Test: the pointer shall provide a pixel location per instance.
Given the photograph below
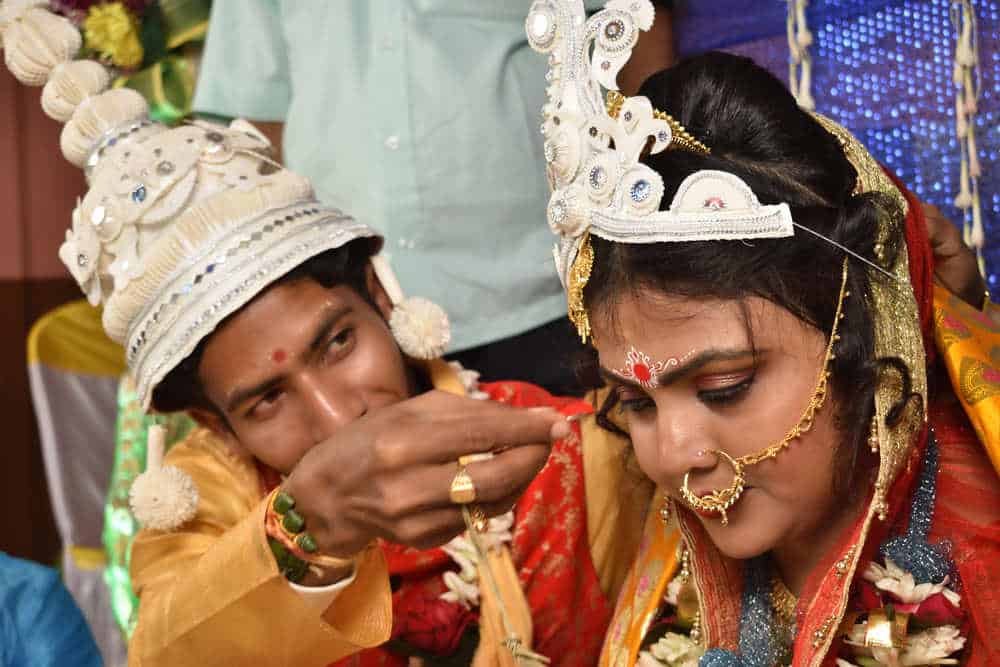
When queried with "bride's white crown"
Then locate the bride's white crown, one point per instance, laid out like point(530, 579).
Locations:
point(593, 149)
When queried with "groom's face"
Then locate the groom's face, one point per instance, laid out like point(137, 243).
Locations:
point(298, 363)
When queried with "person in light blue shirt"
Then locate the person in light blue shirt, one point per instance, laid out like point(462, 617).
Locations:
point(421, 118)
point(40, 624)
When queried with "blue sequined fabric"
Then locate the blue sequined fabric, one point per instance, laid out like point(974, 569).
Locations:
point(883, 69)
point(928, 563)
point(760, 640)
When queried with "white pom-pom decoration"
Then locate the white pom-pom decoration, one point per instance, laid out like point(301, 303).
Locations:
point(14, 10)
point(72, 83)
point(95, 116)
point(420, 327)
point(36, 42)
point(163, 497)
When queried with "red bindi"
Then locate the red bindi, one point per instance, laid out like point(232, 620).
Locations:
point(642, 372)
point(279, 356)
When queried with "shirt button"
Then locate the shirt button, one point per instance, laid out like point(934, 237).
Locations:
point(388, 43)
point(392, 142)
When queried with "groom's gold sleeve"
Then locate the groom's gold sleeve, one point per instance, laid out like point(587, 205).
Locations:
point(211, 593)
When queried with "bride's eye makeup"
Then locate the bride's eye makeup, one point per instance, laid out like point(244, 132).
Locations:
point(728, 390)
point(632, 400)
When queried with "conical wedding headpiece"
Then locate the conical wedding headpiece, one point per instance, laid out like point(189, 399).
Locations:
point(181, 227)
point(593, 148)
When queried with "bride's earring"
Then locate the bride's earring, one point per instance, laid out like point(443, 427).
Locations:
point(665, 510)
point(873, 436)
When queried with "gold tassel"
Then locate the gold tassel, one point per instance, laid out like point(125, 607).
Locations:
point(579, 276)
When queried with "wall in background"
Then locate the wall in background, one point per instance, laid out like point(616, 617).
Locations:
point(38, 189)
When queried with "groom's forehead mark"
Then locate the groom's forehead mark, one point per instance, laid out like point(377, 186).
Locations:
point(279, 356)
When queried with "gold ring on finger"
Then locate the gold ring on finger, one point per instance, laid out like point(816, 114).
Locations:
point(462, 491)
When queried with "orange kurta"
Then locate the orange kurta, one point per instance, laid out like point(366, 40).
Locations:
point(211, 593)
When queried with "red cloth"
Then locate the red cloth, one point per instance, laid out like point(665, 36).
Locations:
point(550, 551)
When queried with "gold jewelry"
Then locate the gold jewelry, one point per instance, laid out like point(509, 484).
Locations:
point(469, 459)
point(463, 490)
point(717, 502)
point(685, 570)
point(695, 633)
point(665, 510)
point(579, 276)
point(783, 601)
point(873, 435)
point(480, 522)
point(886, 629)
point(680, 137)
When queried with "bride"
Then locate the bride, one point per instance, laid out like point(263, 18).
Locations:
point(758, 296)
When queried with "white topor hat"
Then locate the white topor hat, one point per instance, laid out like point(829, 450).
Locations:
point(180, 227)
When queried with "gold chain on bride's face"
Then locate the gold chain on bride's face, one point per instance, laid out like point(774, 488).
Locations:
point(719, 501)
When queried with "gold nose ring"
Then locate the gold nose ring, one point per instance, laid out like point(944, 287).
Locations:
point(718, 501)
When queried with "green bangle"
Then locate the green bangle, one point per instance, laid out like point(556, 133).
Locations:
point(291, 567)
point(307, 543)
point(293, 522)
point(283, 502)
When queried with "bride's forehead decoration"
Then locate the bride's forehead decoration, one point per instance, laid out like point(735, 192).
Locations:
point(593, 146)
point(640, 367)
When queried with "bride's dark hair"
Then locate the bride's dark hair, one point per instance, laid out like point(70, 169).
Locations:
point(756, 131)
